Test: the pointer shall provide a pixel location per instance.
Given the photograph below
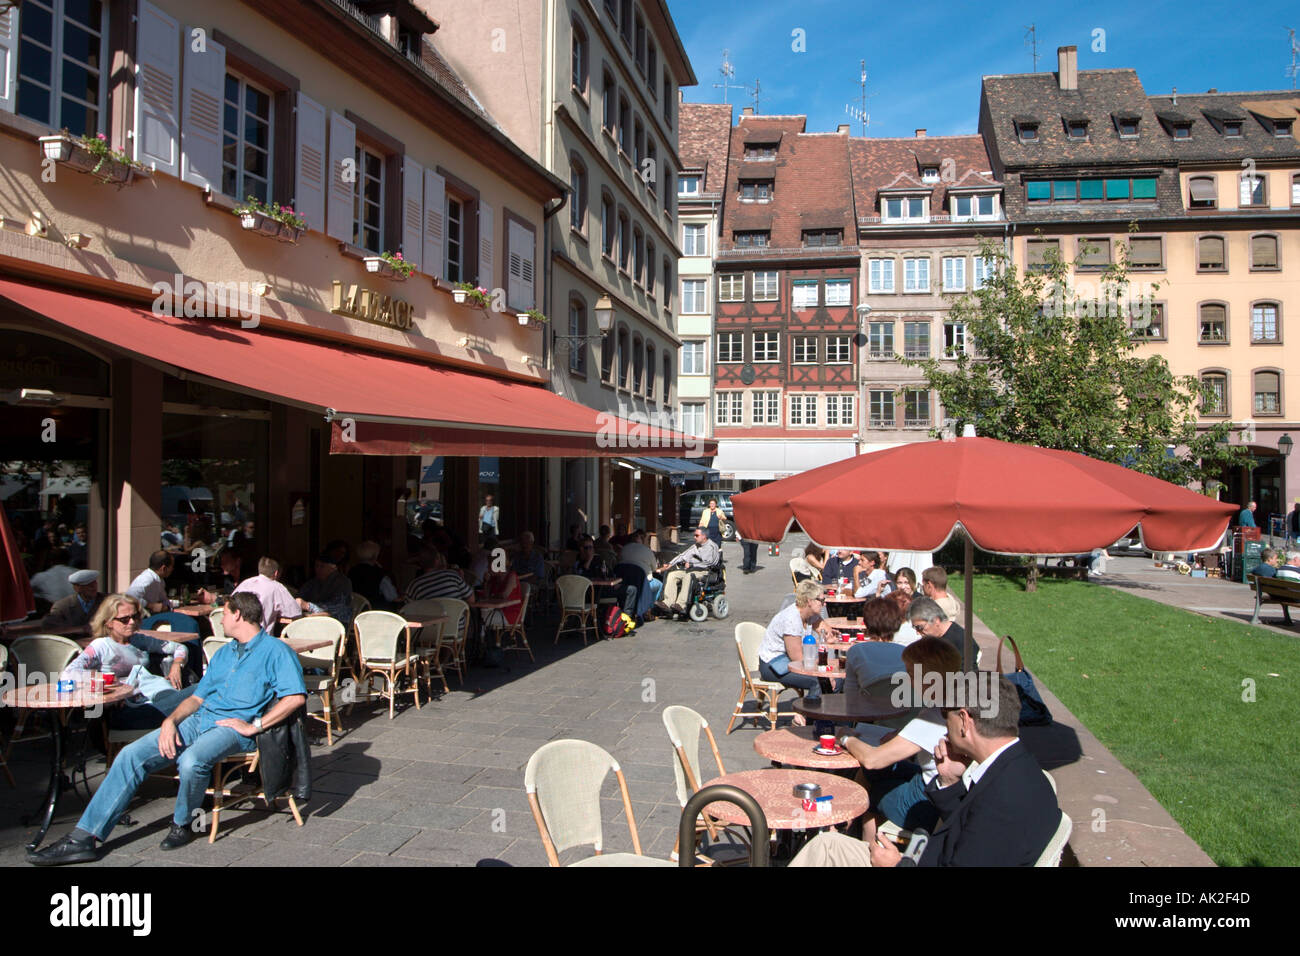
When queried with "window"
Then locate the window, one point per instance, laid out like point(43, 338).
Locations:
point(838, 292)
point(760, 151)
point(695, 239)
point(1213, 323)
point(916, 408)
point(954, 339)
point(638, 143)
point(688, 186)
point(1027, 132)
point(839, 411)
point(1147, 320)
point(578, 201)
point(1094, 253)
point(652, 68)
point(753, 239)
point(1137, 189)
point(767, 347)
point(695, 418)
point(639, 44)
point(731, 347)
point(954, 274)
point(880, 275)
point(731, 409)
point(638, 363)
point(650, 168)
point(1253, 191)
point(1282, 127)
point(245, 139)
point(1076, 129)
point(624, 126)
point(805, 350)
point(983, 272)
point(579, 50)
point(929, 174)
point(838, 351)
point(668, 283)
point(62, 54)
point(1127, 127)
point(651, 370)
point(649, 268)
point(1263, 323)
point(1295, 190)
point(1040, 253)
point(1146, 253)
point(916, 275)
point(638, 256)
point(1268, 393)
point(1263, 252)
point(731, 287)
point(905, 209)
point(695, 296)
point(368, 201)
point(624, 241)
point(916, 339)
point(693, 362)
point(882, 408)
point(456, 239)
point(607, 358)
point(766, 287)
point(624, 367)
point(974, 207)
point(1182, 130)
point(765, 408)
point(803, 409)
point(880, 340)
point(803, 294)
point(577, 327)
point(1202, 193)
point(1214, 400)
point(668, 100)
point(1232, 128)
point(756, 190)
point(609, 103)
point(625, 20)
point(1211, 254)
point(607, 225)
point(822, 238)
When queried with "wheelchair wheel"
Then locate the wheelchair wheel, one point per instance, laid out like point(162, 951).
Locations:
point(699, 612)
point(720, 607)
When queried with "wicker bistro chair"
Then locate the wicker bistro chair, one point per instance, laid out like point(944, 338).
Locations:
point(225, 774)
point(382, 645)
point(684, 726)
point(4, 765)
point(455, 633)
point(324, 659)
point(563, 781)
point(44, 654)
point(429, 640)
point(749, 637)
point(215, 617)
point(210, 647)
point(577, 600)
point(516, 632)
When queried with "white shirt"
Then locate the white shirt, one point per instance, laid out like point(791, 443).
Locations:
point(906, 634)
point(925, 731)
point(871, 582)
point(787, 621)
point(977, 770)
point(148, 588)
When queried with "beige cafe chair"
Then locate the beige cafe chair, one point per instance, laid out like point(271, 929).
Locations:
point(427, 642)
point(381, 645)
point(45, 654)
point(225, 774)
point(516, 632)
point(684, 727)
point(563, 781)
point(215, 617)
point(577, 600)
point(210, 647)
point(749, 636)
point(324, 659)
point(454, 633)
point(4, 663)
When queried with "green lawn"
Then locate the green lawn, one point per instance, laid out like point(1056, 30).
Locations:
point(1162, 689)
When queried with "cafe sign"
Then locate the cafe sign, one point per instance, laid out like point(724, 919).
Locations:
point(370, 306)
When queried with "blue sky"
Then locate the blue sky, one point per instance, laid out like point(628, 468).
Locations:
point(925, 68)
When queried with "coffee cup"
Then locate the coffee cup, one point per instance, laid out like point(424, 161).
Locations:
point(827, 741)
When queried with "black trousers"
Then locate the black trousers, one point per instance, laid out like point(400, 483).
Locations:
point(750, 549)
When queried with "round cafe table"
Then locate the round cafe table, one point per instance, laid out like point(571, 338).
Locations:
point(829, 672)
point(840, 709)
point(774, 791)
point(793, 747)
point(47, 697)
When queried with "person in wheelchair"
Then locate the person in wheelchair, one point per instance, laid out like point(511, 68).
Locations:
point(708, 593)
point(695, 563)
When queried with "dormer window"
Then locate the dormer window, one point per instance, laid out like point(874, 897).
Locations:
point(1232, 128)
point(760, 151)
point(1127, 126)
point(1027, 132)
point(904, 209)
point(1076, 129)
point(756, 190)
point(974, 207)
point(822, 238)
point(688, 186)
point(1282, 127)
point(1182, 130)
point(929, 174)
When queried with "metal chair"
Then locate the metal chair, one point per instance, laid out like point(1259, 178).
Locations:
point(378, 635)
point(749, 637)
point(577, 599)
point(324, 658)
point(45, 654)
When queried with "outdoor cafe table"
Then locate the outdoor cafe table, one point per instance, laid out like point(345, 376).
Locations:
point(774, 791)
point(477, 606)
point(47, 697)
point(793, 747)
point(12, 632)
point(828, 671)
point(195, 610)
point(840, 709)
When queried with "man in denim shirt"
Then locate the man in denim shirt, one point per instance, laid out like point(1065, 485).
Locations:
point(227, 710)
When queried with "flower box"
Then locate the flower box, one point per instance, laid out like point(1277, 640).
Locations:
point(289, 234)
point(460, 295)
point(382, 267)
point(524, 319)
point(66, 150)
point(260, 224)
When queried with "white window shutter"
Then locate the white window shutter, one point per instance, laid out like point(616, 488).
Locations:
point(435, 221)
point(8, 59)
point(413, 213)
point(204, 81)
point(157, 90)
point(519, 290)
point(343, 184)
point(309, 188)
point(486, 237)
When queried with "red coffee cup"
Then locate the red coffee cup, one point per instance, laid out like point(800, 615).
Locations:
point(828, 741)
point(109, 677)
point(810, 806)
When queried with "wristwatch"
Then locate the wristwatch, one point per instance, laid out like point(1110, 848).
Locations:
point(257, 723)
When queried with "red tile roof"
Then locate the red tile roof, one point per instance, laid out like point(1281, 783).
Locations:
point(883, 163)
point(703, 138)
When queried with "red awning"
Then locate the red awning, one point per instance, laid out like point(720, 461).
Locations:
point(381, 405)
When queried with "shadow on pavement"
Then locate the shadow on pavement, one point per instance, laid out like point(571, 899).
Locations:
point(1054, 745)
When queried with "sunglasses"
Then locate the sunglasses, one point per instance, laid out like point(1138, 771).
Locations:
point(128, 619)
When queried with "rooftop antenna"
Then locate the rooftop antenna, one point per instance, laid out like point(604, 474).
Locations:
point(1031, 41)
point(1295, 50)
point(754, 93)
point(728, 72)
point(1175, 96)
point(860, 113)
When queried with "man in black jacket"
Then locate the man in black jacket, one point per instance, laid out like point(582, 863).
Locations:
point(999, 811)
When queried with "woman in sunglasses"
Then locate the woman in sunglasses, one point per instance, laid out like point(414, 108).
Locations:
point(118, 648)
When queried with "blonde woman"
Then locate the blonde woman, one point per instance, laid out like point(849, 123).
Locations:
point(783, 641)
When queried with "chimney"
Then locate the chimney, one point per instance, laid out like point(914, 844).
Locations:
point(1067, 67)
point(920, 134)
point(842, 128)
point(747, 111)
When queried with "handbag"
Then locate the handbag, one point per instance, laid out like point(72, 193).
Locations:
point(1033, 711)
point(780, 665)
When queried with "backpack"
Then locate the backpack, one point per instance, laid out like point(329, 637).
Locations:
point(613, 624)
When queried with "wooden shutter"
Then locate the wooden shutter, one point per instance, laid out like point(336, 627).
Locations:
point(309, 164)
point(1099, 254)
point(519, 289)
point(157, 88)
point(343, 156)
point(486, 235)
point(204, 80)
point(1145, 253)
point(435, 222)
point(1210, 254)
point(8, 59)
point(413, 213)
point(1263, 252)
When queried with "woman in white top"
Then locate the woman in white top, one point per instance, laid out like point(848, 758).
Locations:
point(783, 641)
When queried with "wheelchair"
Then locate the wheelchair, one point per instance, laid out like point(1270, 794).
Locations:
point(709, 594)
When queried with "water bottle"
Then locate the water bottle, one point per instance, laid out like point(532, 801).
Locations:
point(809, 650)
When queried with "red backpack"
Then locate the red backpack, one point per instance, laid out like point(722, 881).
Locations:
point(613, 625)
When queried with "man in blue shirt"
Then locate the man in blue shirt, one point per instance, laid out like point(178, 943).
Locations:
point(1246, 517)
point(1270, 561)
point(227, 710)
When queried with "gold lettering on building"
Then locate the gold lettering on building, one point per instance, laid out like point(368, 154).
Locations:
point(370, 306)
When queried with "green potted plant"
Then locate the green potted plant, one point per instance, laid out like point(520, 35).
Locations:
point(271, 220)
point(92, 155)
point(468, 292)
point(390, 265)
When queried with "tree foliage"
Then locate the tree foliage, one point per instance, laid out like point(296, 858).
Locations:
point(1058, 363)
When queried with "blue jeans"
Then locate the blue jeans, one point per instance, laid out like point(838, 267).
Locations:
point(195, 758)
point(811, 686)
point(149, 715)
point(899, 793)
point(649, 595)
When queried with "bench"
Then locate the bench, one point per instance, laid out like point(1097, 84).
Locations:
point(1280, 591)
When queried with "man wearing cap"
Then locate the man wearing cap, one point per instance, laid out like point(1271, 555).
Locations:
point(77, 608)
point(329, 591)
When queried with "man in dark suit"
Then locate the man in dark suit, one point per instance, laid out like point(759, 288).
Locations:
point(999, 811)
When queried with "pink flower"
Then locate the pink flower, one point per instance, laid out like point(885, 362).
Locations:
point(101, 136)
point(288, 209)
point(397, 255)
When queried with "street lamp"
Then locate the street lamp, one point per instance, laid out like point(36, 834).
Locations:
point(604, 322)
point(1284, 445)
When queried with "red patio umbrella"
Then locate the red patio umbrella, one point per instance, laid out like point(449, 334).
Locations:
point(16, 598)
point(1010, 499)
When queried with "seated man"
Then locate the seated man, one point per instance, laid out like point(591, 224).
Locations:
point(1003, 812)
point(696, 561)
point(1270, 561)
point(1291, 570)
point(869, 579)
point(274, 597)
point(841, 564)
point(150, 585)
point(530, 560)
point(591, 564)
point(637, 553)
point(227, 710)
point(79, 607)
point(934, 585)
point(329, 591)
point(929, 620)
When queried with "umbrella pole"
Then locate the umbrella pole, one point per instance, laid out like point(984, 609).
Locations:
point(968, 653)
